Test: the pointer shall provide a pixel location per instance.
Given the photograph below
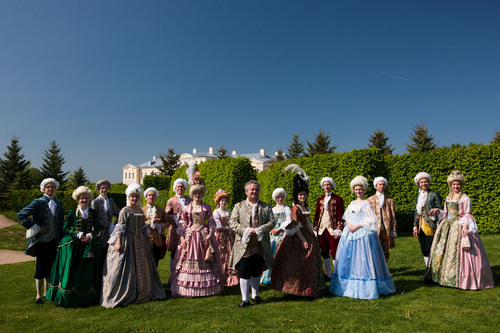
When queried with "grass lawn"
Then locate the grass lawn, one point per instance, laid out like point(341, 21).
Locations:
point(415, 308)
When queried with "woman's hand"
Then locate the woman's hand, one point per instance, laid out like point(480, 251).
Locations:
point(118, 246)
point(306, 245)
point(275, 231)
point(352, 228)
point(465, 231)
point(434, 211)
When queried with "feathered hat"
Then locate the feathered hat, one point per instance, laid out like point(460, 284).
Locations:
point(456, 176)
point(196, 182)
point(300, 181)
point(221, 194)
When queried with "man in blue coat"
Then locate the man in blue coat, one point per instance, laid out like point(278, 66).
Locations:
point(44, 219)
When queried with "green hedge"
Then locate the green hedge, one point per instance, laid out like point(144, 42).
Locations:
point(479, 164)
point(160, 182)
point(230, 174)
point(22, 198)
point(342, 167)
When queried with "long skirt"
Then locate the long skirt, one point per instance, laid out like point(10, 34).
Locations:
point(360, 268)
point(76, 275)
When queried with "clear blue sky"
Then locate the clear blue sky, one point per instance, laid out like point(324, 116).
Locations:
point(116, 82)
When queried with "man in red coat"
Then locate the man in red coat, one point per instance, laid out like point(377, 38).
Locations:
point(328, 222)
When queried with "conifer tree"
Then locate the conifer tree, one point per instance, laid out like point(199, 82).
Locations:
point(296, 148)
point(320, 145)
point(14, 172)
point(279, 156)
point(496, 138)
point(78, 178)
point(170, 162)
point(52, 164)
point(421, 140)
point(379, 140)
point(222, 153)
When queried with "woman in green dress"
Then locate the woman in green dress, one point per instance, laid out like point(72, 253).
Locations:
point(75, 279)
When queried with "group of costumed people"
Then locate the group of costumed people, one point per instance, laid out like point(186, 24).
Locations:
point(88, 259)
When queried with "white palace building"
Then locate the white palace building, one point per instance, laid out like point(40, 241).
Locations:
point(135, 173)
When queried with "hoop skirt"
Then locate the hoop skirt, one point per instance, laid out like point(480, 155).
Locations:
point(360, 267)
point(298, 271)
point(450, 264)
point(75, 279)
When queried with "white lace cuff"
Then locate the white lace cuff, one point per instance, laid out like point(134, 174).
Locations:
point(79, 234)
point(89, 235)
point(32, 231)
point(246, 235)
point(292, 231)
point(337, 232)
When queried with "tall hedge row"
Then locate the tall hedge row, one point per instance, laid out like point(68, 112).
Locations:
point(230, 174)
point(342, 167)
point(160, 182)
point(21, 198)
point(479, 164)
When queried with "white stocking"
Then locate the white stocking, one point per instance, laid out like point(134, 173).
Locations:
point(245, 289)
point(255, 281)
point(426, 259)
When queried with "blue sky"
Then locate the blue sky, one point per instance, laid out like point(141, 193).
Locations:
point(116, 82)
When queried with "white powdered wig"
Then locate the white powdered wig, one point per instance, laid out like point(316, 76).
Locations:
point(46, 181)
point(378, 180)
point(278, 191)
point(82, 190)
point(149, 189)
point(133, 188)
point(327, 179)
point(182, 181)
point(359, 181)
point(421, 175)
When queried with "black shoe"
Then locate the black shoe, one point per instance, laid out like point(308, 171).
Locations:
point(257, 300)
point(39, 301)
point(244, 304)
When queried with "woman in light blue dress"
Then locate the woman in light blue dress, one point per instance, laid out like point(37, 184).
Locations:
point(360, 271)
point(282, 216)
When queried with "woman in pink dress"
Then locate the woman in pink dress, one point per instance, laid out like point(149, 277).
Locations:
point(225, 235)
point(198, 272)
point(458, 258)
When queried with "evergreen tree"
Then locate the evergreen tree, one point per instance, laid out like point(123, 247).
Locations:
point(222, 153)
point(78, 178)
point(321, 144)
point(496, 138)
point(296, 148)
point(279, 156)
point(52, 164)
point(170, 162)
point(13, 166)
point(14, 171)
point(379, 140)
point(422, 141)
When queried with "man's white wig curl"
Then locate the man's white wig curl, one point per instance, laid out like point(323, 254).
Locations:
point(378, 180)
point(149, 189)
point(327, 179)
point(277, 192)
point(182, 181)
point(359, 181)
point(46, 181)
point(421, 175)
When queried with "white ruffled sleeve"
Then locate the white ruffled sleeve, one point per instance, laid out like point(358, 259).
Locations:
point(288, 220)
point(217, 218)
point(370, 220)
point(465, 209)
point(347, 213)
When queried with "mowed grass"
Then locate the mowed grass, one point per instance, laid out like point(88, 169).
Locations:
point(415, 308)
